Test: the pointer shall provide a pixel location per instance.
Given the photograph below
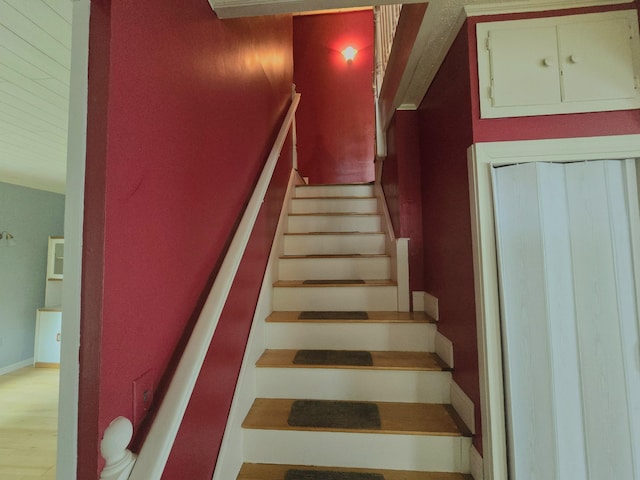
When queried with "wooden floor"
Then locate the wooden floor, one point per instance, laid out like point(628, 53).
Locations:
point(28, 424)
point(251, 471)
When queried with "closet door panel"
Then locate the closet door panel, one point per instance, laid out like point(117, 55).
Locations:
point(561, 318)
point(623, 198)
point(529, 393)
point(606, 419)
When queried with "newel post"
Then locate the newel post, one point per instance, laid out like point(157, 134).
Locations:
point(119, 460)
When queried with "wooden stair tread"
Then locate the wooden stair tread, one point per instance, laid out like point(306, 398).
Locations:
point(356, 184)
point(340, 283)
point(374, 317)
point(382, 360)
point(262, 471)
point(343, 197)
point(395, 418)
point(334, 214)
point(334, 255)
point(333, 233)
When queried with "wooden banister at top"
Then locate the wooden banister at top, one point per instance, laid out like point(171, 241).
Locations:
point(155, 451)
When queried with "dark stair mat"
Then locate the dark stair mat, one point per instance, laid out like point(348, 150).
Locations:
point(312, 315)
point(332, 282)
point(330, 475)
point(356, 358)
point(334, 414)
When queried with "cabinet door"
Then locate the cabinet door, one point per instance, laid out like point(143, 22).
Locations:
point(524, 66)
point(596, 60)
point(47, 347)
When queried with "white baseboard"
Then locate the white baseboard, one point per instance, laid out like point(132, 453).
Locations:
point(16, 366)
point(475, 464)
point(418, 301)
point(431, 306)
point(464, 406)
point(444, 349)
point(231, 453)
point(402, 275)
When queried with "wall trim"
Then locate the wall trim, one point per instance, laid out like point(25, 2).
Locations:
point(475, 464)
point(439, 29)
point(402, 275)
point(230, 457)
point(534, 6)
point(16, 366)
point(67, 444)
point(444, 348)
point(418, 301)
point(431, 306)
point(482, 158)
point(464, 406)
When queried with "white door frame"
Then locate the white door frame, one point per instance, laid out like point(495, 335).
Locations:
point(482, 157)
point(67, 454)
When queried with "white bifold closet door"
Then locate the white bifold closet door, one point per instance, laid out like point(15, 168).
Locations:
point(566, 240)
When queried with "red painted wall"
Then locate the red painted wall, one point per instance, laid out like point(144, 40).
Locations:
point(336, 120)
point(445, 126)
point(200, 435)
point(403, 193)
point(183, 111)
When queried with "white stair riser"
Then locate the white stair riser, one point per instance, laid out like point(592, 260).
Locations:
point(384, 298)
point(342, 205)
point(334, 223)
point(305, 191)
point(411, 337)
point(358, 450)
point(363, 268)
point(343, 244)
point(354, 384)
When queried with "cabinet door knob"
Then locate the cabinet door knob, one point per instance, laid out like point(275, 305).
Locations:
point(574, 58)
point(549, 62)
point(57, 337)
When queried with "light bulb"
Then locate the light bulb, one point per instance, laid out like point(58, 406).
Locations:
point(349, 53)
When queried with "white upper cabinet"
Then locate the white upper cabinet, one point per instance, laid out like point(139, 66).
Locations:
point(519, 56)
point(597, 60)
point(569, 64)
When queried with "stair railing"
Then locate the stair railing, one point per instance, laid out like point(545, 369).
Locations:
point(121, 463)
point(386, 20)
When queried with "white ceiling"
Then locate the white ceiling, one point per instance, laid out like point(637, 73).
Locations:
point(35, 58)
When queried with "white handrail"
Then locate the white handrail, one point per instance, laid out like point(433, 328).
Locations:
point(157, 446)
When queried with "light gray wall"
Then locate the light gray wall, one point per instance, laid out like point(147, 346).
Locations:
point(31, 216)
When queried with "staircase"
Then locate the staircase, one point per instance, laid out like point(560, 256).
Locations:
point(348, 388)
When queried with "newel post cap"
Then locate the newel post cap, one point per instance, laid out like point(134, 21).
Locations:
point(118, 459)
